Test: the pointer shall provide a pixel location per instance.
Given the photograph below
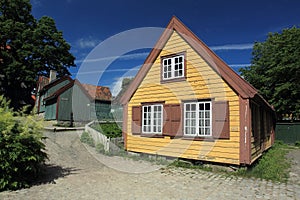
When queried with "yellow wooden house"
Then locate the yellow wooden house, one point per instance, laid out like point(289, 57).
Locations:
point(186, 102)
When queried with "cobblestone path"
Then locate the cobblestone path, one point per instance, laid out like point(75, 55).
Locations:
point(76, 172)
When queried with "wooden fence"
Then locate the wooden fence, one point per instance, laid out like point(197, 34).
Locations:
point(109, 144)
point(288, 132)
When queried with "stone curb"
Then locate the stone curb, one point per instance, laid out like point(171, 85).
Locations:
point(59, 129)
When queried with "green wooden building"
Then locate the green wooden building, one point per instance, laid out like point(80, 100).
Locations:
point(46, 89)
point(69, 98)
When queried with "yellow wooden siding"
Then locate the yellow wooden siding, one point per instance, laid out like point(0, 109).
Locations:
point(202, 83)
point(199, 150)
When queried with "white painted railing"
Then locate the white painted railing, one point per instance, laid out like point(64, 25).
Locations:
point(97, 136)
point(108, 143)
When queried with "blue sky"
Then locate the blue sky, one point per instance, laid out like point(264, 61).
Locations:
point(229, 27)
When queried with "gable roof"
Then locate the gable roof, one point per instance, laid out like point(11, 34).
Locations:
point(56, 81)
point(238, 84)
point(91, 91)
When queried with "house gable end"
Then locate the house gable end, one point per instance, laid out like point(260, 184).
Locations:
point(242, 87)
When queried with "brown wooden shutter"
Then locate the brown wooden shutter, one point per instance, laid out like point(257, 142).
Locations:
point(220, 119)
point(136, 127)
point(172, 120)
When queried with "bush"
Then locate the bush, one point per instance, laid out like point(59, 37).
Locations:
point(297, 143)
point(87, 138)
point(21, 148)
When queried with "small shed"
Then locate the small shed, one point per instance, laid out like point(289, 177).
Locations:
point(186, 102)
point(83, 101)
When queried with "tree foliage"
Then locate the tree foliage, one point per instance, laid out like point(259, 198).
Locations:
point(28, 48)
point(21, 148)
point(275, 71)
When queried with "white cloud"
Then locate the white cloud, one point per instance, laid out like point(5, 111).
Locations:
point(122, 57)
point(239, 65)
point(108, 70)
point(88, 42)
point(117, 86)
point(233, 47)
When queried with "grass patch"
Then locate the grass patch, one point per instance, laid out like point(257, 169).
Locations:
point(189, 165)
point(87, 139)
point(273, 165)
point(109, 129)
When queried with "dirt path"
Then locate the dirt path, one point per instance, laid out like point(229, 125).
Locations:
point(77, 172)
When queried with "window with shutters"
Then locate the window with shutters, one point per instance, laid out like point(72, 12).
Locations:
point(198, 119)
point(152, 121)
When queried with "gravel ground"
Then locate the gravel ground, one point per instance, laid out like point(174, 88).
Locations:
point(75, 171)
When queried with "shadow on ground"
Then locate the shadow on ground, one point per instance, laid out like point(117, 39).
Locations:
point(50, 173)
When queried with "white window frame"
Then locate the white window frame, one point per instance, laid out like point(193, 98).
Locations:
point(173, 70)
point(153, 125)
point(196, 125)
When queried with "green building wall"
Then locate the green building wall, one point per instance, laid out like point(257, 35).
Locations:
point(50, 111)
point(75, 101)
point(49, 92)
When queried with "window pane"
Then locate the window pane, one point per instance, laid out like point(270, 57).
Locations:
point(187, 130)
point(207, 106)
point(193, 107)
point(207, 114)
point(188, 107)
point(201, 106)
point(201, 114)
point(188, 123)
point(207, 122)
point(193, 122)
point(180, 59)
point(180, 73)
point(159, 108)
point(193, 130)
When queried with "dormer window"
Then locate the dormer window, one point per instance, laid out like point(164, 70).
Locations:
point(173, 67)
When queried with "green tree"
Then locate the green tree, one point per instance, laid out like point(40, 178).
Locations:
point(275, 71)
point(28, 48)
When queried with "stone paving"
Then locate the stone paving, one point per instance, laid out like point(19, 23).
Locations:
point(76, 172)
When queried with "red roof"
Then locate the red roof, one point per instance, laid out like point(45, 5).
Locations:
point(98, 92)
